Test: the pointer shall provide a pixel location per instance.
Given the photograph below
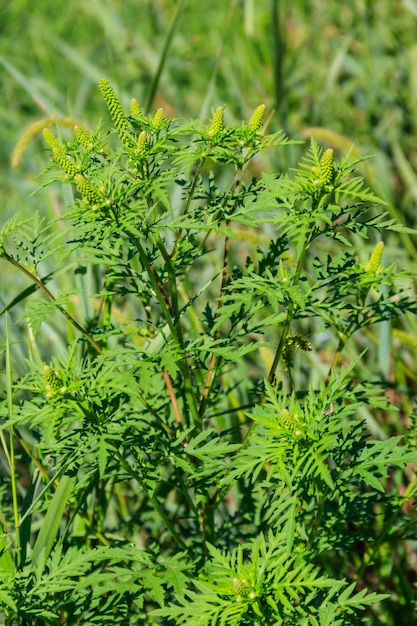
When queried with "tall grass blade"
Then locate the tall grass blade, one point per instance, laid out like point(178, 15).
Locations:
point(52, 520)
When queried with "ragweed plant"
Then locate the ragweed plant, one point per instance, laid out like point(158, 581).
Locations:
point(168, 460)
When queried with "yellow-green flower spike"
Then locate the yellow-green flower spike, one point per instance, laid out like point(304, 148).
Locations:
point(53, 382)
point(374, 266)
point(294, 341)
point(89, 192)
point(287, 419)
point(159, 119)
point(142, 147)
point(241, 586)
point(135, 108)
point(255, 122)
point(51, 140)
point(217, 122)
point(114, 105)
point(327, 167)
point(291, 422)
point(299, 341)
point(62, 160)
point(82, 137)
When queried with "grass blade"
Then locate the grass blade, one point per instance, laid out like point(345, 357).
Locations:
point(50, 525)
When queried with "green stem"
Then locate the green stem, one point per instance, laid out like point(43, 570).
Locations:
point(152, 499)
point(344, 338)
point(170, 308)
point(173, 312)
point(158, 291)
point(188, 203)
point(171, 276)
point(51, 297)
point(210, 378)
point(336, 357)
point(11, 455)
point(290, 310)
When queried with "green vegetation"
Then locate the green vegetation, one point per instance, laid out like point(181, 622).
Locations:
point(208, 326)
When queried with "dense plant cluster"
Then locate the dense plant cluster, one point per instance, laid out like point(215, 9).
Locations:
point(188, 457)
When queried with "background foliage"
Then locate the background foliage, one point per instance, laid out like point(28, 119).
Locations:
point(345, 74)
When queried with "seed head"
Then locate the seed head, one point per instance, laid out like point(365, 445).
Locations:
point(89, 192)
point(327, 167)
point(217, 122)
point(114, 105)
point(82, 137)
point(135, 108)
point(255, 122)
point(375, 266)
point(159, 119)
point(62, 160)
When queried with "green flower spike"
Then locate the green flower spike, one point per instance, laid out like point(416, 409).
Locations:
point(255, 122)
point(51, 140)
point(327, 167)
point(90, 194)
point(114, 106)
point(142, 148)
point(135, 108)
point(291, 422)
point(287, 420)
point(82, 137)
point(67, 165)
point(54, 383)
point(159, 119)
point(242, 588)
point(294, 341)
point(217, 122)
point(375, 266)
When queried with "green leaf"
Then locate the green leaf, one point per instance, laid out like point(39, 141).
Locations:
point(103, 454)
point(52, 520)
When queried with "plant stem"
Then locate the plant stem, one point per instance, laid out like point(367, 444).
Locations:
point(213, 358)
point(225, 272)
point(188, 202)
point(11, 455)
point(51, 297)
point(290, 311)
point(167, 523)
point(174, 400)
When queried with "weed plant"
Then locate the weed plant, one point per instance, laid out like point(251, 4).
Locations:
point(189, 449)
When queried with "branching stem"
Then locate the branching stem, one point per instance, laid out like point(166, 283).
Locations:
point(51, 297)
